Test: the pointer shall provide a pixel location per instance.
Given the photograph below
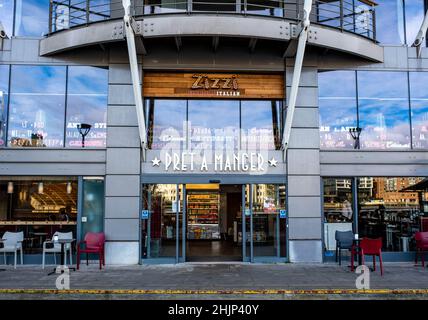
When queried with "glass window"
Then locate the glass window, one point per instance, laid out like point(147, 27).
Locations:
point(266, 8)
point(337, 108)
point(36, 110)
point(390, 210)
point(6, 16)
point(31, 18)
point(260, 123)
point(383, 110)
point(214, 124)
point(39, 208)
point(390, 22)
point(93, 206)
point(87, 103)
point(419, 107)
point(167, 123)
point(159, 6)
point(415, 13)
point(4, 94)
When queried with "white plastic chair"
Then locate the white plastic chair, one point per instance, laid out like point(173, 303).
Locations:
point(57, 247)
point(12, 243)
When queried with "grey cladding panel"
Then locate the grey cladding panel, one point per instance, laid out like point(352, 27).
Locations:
point(122, 186)
point(122, 229)
point(122, 207)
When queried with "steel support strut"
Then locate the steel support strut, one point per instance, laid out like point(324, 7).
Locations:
point(135, 74)
point(421, 36)
point(301, 46)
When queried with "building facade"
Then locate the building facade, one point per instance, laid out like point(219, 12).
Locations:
point(212, 181)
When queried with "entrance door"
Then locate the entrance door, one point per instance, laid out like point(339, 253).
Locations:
point(266, 225)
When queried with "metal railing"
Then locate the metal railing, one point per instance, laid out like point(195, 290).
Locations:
point(356, 16)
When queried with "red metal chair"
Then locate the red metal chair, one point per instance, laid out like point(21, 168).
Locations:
point(368, 247)
point(421, 246)
point(93, 243)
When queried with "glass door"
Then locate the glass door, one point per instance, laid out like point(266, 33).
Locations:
point(161, 222)
point(266, 223)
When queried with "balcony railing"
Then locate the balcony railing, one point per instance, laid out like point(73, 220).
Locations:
point(356, 16)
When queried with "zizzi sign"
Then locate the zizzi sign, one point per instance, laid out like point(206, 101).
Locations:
point(224, 85)
point(251, 162)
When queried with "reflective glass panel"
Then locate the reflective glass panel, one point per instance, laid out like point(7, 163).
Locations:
point(87, 103)
point(166, 123)
point(260, 122)
point(266, 8)
point(4, 98)
point(160, 6)
point(31, 18)
point(214, 124)
point(337, 108)
point(6, 16)
point(390, 208)
point(419, 107)
point(383, 110)
point(415, 13)
point(390, 22)
point(36, 110)
point(93, 206)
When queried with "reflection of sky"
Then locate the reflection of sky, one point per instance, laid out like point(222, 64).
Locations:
point(37, 103)
point(337, 108)
point(6, 15)
point(384, 109)
point(4, 82)
point(414, 16)
point(257, 123)
point(32, 18)
point(389, 22)
point(87, 103)
point(419, 105)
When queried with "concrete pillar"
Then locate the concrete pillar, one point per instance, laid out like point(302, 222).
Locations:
point(303, 171)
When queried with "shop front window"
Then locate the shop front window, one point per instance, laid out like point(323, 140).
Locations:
point(391, 210)
point(37, 106)
point(419, 107)
point(87, 103)
point(337, 108)
point(38, 208)
point(31, 18)
point(261, 122)
point(6, 16)
point(383, 110)
point(338, 211)
point(4, 98)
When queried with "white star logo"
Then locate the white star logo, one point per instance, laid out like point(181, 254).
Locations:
point(273, 162)
point(156, 162)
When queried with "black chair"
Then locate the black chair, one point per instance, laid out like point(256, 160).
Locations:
point(344, 240)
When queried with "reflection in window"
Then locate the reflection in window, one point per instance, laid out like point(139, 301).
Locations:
point(87, 103)
point(419, 107)
point(216, 6)
point(37, 99)
point(337, 108)
point(214, 124)
point(337, 200)
point(39, 209)
point(391, 210)
point(261, 122)
point(266, 8)
point(159, 6)
point(6, 16)
point(31, 18)
point(383, 110)
point(4, 94)
point(167, 123)
point(415, 13)
point(390, 22)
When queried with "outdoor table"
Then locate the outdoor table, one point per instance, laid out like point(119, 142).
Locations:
point(63, 242)
point(1, 241)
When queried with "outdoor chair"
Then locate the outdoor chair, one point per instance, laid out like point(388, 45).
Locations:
point(13, 243)
point(56, 247)
point(93, 243)
point(421, 246)
point(344, 240)
point(368, 247)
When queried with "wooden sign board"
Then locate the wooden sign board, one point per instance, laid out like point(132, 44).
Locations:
point(213, 85)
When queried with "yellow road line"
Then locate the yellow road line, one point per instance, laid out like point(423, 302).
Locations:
point(221, 292)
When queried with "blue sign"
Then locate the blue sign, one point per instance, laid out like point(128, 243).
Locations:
point(283, 214)
point(144, 214)
point(247, 212)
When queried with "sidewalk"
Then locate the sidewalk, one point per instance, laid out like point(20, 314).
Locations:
point(216, 281)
